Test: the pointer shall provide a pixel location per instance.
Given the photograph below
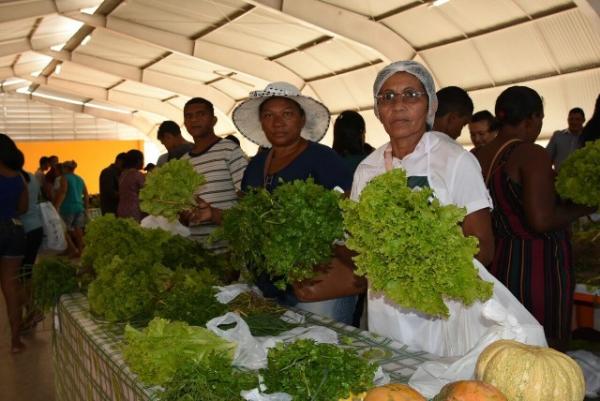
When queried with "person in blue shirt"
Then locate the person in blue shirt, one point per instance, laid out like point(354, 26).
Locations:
point(13, 202)
point(290, 125)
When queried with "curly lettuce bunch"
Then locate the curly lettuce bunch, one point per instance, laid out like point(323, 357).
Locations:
point(579, 176)
point(286, 233)
point(170, 189)
point(411, 247)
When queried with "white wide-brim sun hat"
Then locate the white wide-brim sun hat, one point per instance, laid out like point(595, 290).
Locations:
point(247, 121)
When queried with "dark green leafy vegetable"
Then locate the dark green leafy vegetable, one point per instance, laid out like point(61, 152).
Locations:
point(170, 189)
point(284, 234)
point(212, 379)
point(267, 324)
point(52, 277)
point(191, 298)
point(411, 247)
point(579, 176)
point(316, 372)
point(156, 352)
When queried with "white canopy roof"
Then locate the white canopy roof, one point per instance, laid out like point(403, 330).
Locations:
point(138, 61)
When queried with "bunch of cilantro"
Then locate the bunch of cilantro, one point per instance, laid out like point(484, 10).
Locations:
point(411, 247)
point(51, 278)
point(317, 372)
point(170, 189)
point(128, 288)
point(212, 379)
point(286, 233)
point(579, 176)
point(190, 298)
point(156, 352)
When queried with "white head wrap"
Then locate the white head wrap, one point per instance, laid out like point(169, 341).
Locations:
point(419, 71)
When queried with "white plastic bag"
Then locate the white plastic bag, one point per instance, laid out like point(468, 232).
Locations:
point(230, 292)
point(54, 231)
point(174, 227)
point(590, 364)
point(458, 340)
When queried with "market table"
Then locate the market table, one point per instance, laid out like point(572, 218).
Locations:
point(89, 365)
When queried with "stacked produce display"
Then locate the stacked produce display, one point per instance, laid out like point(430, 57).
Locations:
point(165, 288)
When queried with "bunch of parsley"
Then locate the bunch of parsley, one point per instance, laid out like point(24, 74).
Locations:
point(411, 247)
point(51, 278)
point(316, 372)
point(170, 188)
point(286, 233)
point(579, 176)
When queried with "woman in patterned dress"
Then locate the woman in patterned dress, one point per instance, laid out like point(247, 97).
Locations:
point(533, 251)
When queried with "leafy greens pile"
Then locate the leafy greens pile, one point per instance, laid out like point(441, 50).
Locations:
point(212, 379)
point(170, 189)
point(411, 247)
point(51, 278)
point(317, 372)
point(286, 233)
point(156, 352)
point(579, 176)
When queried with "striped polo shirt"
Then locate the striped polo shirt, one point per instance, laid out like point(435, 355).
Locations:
point(222, 165)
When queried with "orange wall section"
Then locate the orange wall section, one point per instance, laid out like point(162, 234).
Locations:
point(91, 156)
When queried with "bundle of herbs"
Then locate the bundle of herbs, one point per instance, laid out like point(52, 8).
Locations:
point(263, 316)
point(286, 233)
point(51, 278)
point(411, 247)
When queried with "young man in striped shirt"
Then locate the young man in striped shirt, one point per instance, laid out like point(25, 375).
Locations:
point(222, 163)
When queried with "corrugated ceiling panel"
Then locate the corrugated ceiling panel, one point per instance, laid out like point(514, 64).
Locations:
point(117, 48)
point(572, 38)
point(15, 29)
point(139, 89)
point(25, 119)
point(54, 29)
point(234, 88)
point(188, 67)
point(348, 91)
point(371, 8)
point(422, 26)
point(7, 61)
point(515, 54)
point(84, 75)
point(30, 62)
point(457, 64)
point(327, 57)
point(536, 6)
point(185, 17)
point(472, 16)
point(262, 33)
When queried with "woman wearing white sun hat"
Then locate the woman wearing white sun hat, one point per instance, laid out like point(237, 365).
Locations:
point(290, 124)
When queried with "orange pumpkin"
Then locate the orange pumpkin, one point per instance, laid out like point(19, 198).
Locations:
point(469, 390)
point(394, 392)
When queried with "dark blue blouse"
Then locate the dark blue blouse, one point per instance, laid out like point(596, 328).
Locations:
point(10, 191)
point(318, 161)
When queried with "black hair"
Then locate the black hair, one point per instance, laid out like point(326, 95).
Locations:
point(149, 167)
point(518, 103)
point(577, 110)
point(121, 157)
point(200, 100)
point(233, 138)
point(591, 131)
point(44, 160)
point(168, 127)
point(485, 115)
point(453, 99)
point(10, 155)
point(133, 159)
point(349, 133)
point(261, 106)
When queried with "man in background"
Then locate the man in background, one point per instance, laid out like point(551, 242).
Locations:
point(109, 186)
point(40, 173)
point(483, 128)
point(169, 134)
point(564, 142)
point(454, 111)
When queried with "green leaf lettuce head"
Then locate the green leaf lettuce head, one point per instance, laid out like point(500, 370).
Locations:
point(317, 372)
point(212, 379)
point(579, 176)
point(286, 233)
point(156, 352)
point(51, 278)
point(411, 247)
point(170, 188)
